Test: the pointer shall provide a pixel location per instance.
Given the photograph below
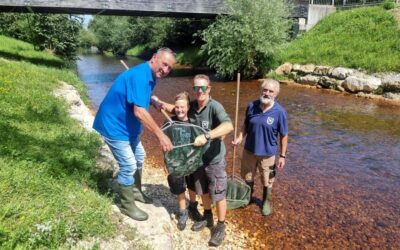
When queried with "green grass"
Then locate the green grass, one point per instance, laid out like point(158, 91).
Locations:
point(365, 38)
point(136, 51)
point(48, 184)
point(190, 56)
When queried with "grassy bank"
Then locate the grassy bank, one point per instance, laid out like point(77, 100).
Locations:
point(366, 38)
point(48, 186)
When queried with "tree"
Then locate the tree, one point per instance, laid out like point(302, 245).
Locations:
point(57, 33)
point(249, 38)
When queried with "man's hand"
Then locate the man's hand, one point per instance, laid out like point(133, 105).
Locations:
point(281, 163)
point(155, 101)
point(165, 143)
point(238, 140)
point(200, 140)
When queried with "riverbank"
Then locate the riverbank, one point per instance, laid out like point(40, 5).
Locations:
point(159, 231)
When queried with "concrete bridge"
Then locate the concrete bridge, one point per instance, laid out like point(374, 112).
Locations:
point(170, 8)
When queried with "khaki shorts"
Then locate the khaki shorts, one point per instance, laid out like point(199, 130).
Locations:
point(265, 165)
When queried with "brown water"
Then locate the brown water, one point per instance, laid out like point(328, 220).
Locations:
point(340, 187)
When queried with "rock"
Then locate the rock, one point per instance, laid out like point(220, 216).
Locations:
point(342, 73)
point(392, 96)
point(284, 69)
point(327, 82)
point(296, 67)
point(323, 70)
point(306, 69)
point(309, 80)
point(361, 83)
point(391, 83)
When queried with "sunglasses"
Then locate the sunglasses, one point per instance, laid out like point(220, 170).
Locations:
point(197, 88)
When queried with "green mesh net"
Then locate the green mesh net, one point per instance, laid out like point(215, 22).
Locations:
point(185, 158)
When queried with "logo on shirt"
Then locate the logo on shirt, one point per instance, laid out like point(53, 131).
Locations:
point(270, 120)
point(204, 124)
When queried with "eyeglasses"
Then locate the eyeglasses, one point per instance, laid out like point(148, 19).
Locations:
point(197, 88)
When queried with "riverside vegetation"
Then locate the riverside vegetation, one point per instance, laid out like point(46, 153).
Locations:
point(48, 187)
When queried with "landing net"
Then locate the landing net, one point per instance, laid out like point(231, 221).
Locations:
point(184, 158)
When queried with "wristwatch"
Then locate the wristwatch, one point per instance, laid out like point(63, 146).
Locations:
point(207, 136)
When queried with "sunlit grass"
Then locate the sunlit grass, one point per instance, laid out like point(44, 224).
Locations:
point(365, 38)
point(48, 185)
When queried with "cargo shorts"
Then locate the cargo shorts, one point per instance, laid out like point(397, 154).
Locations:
point(264, 164)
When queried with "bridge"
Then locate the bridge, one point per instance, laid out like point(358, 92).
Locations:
point(165, 8)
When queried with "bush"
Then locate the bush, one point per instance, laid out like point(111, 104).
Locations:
point(249, 39)
point(389, 4)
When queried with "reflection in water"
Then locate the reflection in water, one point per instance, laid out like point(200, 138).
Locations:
point(340, 189)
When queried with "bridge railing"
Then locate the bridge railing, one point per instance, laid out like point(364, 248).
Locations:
point(346, 3)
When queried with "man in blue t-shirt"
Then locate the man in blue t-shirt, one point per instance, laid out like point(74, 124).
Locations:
point(120, 120)
point(265, 119)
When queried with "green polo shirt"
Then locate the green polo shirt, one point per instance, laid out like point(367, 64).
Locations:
point(210, 117)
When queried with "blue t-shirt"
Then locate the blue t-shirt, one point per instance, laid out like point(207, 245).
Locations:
point(262, 128)
point(115, 118)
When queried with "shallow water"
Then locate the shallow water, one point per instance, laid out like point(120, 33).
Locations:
point(340, 187)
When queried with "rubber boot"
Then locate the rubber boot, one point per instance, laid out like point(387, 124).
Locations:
point(267, 208)
point(207, 221)
point(193, 212)
point(128, 206)
point(218, 235)
point(137, 189)
point(182, 218)
point(251, 185)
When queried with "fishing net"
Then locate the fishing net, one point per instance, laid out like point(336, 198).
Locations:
point(184, 158)
point(238, 193)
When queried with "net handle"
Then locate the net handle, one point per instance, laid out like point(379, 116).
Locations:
point(236, 121)
point(162, 110)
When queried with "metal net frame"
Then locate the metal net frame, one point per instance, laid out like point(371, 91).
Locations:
point(184, 158)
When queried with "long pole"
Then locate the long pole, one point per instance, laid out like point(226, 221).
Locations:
point(236, 121)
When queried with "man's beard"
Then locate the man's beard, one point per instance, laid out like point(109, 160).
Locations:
point(266, 99)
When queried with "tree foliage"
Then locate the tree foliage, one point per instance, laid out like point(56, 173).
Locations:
point(57, 33)
point(248, 40)
point(118, 34)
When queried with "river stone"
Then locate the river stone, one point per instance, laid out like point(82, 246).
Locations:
point(306, 69)
point(328, 82)
point(296, 67)
point(391, 83)
point(342, 73)
point(392, 96)
point(308, 80)
point(323, 70)
point(284, 69)
point(362, 83)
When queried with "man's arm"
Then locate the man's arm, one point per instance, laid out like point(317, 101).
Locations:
point(241, 136)
point(282, 156)
point(147, 120)
point(221, 130)
point(158, 104)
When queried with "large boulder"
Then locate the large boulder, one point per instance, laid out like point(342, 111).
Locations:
point(392, 96)
point(284, 69)
point(323, 70)
point(391, 83)
point(328, 82)
point(361, 83)
point(342, 73)
point(308, 80)
point(306, 69)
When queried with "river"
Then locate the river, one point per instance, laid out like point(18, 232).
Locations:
point(340, 187)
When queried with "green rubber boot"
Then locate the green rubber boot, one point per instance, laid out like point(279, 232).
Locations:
point(137, 189)
point(128, 206)
point(267, 208)
point(251, 185)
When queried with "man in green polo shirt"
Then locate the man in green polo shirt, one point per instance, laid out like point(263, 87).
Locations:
point(211, 178)
point(211, 116)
